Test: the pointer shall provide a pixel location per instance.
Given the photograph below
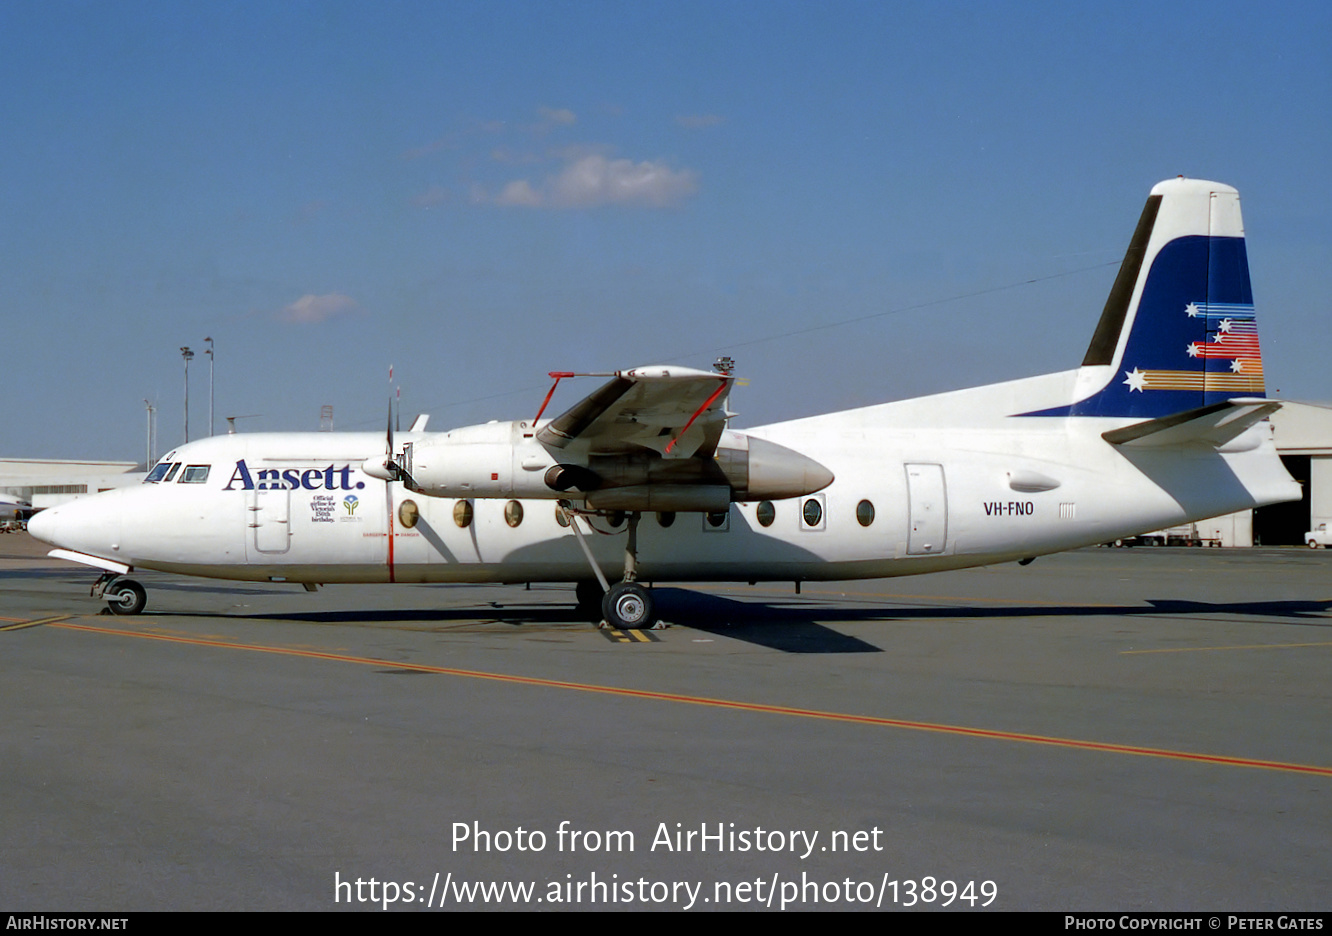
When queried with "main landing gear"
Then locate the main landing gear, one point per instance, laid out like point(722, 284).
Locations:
point(123, 596)
point(626, 605)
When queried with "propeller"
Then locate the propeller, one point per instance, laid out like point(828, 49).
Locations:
point(389, 467)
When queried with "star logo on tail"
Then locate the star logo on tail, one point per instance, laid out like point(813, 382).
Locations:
point(1136, 380)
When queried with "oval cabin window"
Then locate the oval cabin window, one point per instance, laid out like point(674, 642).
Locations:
point(462, 513)
point(812, 512)
point(513, 513)
point(766, 513)
point(865, 513)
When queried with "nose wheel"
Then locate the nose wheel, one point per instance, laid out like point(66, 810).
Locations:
point(123, 596)
point(126, 597)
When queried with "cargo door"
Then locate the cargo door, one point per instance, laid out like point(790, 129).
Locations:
point(927, 510)
point(268, 514)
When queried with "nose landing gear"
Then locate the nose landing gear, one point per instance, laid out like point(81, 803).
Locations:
point(123, 596)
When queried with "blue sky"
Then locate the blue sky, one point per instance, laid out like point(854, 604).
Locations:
point(480, 193)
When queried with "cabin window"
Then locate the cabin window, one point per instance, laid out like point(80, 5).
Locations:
point(195, 474)
point(864, 513)
point(462, 514)
point(717, 520)
point(665, 518)
point(408, 513)
point(766, 513)
point(513, 513)
point(615, 518)
point(560, 516)
point(811, 512)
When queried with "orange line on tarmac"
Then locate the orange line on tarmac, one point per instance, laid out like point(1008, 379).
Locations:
point(1237, 647)
point(20, 624)
point(727, 703)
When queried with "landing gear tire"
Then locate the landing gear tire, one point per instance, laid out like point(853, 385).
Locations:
point(627, 606)
point(126, 597)
point(588, 593)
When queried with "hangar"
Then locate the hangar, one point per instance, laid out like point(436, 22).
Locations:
point(45, 482)
point(1304, 440)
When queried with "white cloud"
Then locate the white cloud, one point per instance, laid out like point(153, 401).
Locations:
point(435, 195)
point(502, 154)
point(519, 192)
point(593, 180)
point(416, 152)
point(310, 308)
point(557, 116)
point(699, 121)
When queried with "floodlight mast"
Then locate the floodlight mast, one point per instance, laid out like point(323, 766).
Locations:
point(209, 352)
point(188, 355)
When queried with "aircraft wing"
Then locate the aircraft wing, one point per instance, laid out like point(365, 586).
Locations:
point(677, 412)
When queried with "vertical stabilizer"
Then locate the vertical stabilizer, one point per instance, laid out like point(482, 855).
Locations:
point(1178, 330)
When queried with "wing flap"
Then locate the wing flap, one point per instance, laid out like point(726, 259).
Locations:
point(677, 412)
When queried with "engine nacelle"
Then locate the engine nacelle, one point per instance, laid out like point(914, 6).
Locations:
point(761, 470)
point(505, 460)
point(500, 459)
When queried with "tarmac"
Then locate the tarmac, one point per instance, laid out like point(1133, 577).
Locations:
point(1145, 729)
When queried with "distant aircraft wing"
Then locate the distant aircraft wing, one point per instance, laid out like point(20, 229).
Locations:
point(677, 412)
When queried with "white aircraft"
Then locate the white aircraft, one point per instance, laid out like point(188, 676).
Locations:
point(13, 506)
point(1164, 423)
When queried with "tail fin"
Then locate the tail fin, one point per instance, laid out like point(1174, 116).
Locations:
point(1178, 331)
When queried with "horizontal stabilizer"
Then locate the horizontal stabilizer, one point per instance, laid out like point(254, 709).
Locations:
point(1213, 425)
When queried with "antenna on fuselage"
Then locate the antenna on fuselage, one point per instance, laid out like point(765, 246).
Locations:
point(231, 421)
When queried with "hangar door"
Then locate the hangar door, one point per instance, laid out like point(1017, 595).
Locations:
point(927, 510)
point(1285, 524)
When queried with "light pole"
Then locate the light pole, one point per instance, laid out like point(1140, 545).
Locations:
point(209, 352)
point(148, 461)
point(187, 354)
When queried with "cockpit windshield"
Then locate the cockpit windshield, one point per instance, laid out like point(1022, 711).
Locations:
point(164, 471)
point(158, 473)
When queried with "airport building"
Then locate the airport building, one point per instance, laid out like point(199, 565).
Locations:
point(45, 482)
point(1304, 439)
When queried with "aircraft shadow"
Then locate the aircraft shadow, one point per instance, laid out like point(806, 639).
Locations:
point(790, 625)
point(788, 629)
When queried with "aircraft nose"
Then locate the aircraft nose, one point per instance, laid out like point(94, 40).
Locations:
point(44, 525)
point(89, 525)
